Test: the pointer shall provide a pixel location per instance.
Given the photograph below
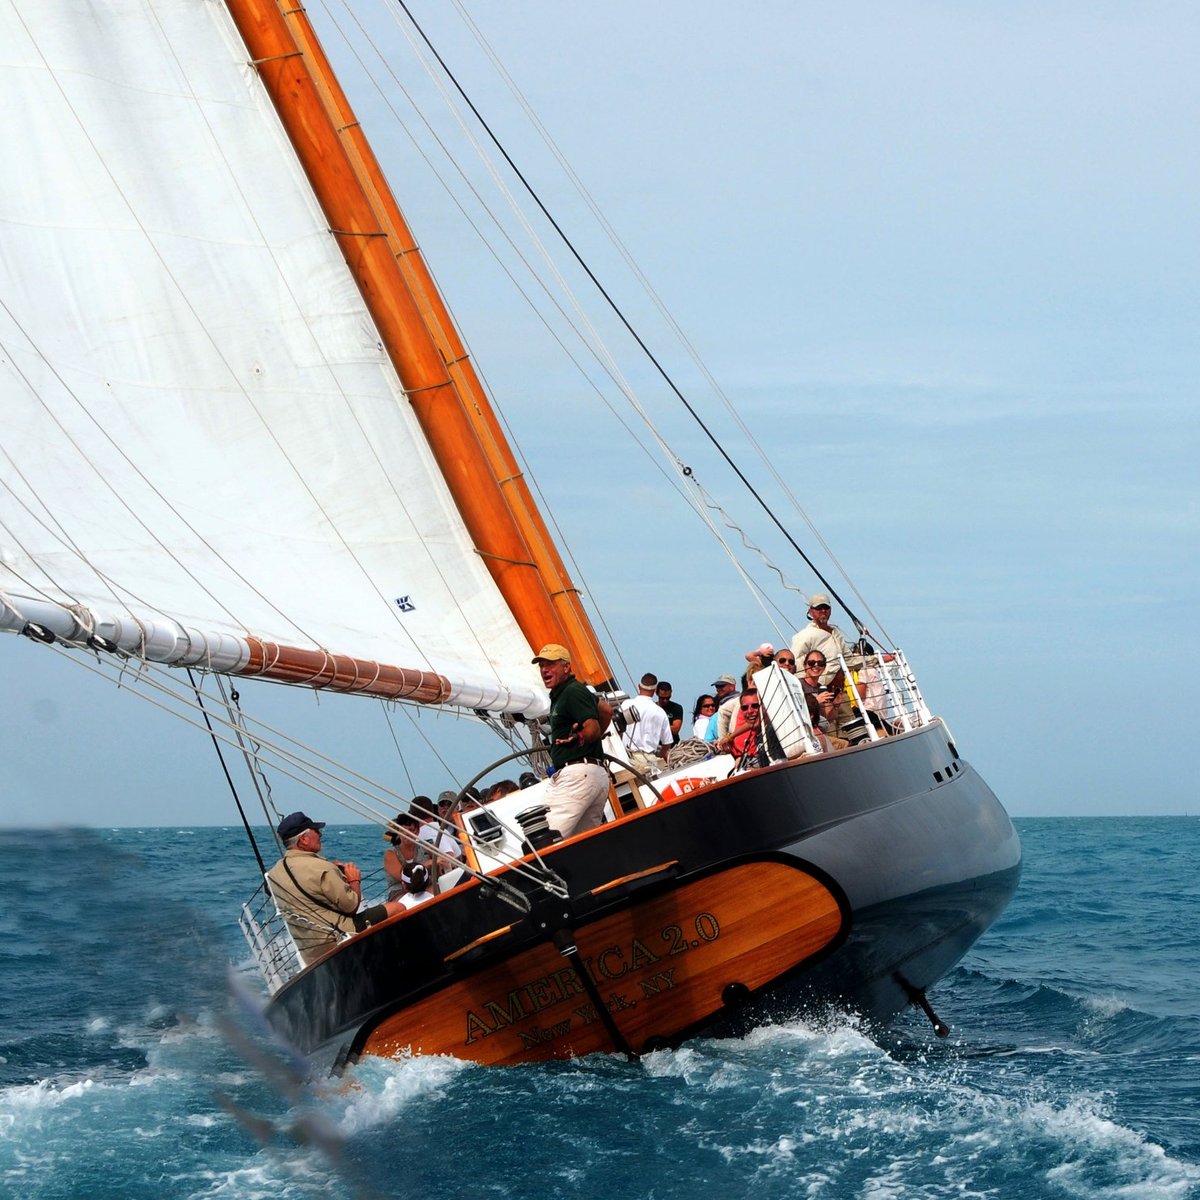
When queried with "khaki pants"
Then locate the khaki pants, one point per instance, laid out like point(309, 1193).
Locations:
point(576, 799)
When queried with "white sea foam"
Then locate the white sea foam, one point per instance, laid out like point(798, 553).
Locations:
point(1107, 1005)
point(32, 1099)
point(376, 1090)
point(1132, 1167)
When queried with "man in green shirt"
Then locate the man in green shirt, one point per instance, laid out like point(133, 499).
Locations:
point(579, 786)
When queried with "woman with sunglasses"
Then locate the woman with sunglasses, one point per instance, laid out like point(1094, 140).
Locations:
point(706, 705)
point(814, 667)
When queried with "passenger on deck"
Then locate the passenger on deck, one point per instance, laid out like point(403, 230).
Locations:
point(814, 668)
point(662, 695)
point(820, 636)
point(579, 786)
point(744, 742)
point(318, 897)
point(647, 736)
point(505, 787)
point(423, 808)
point(418, 889)
point(726, 689)
point(404, 853)
point(785, 660)
point(441, 836)
point(875, 699)
point(705, 710)
point(826, 740)
point(880, 723)
point(764, 656)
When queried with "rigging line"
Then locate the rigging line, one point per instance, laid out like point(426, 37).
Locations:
point(321, 780)
point(262, 866)
point(650, 290)
point(436, 753)
point(387, 716)
point(628, 326)
point(250, 756)
point(710, 503)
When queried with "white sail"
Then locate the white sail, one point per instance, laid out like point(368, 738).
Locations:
point(203, 441)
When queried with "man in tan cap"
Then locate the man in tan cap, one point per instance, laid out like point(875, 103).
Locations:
point(820, 639)
point(579, 786)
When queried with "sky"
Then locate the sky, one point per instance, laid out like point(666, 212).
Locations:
point(943, 259)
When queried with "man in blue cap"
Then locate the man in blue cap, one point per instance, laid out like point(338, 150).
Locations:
point(318, 898)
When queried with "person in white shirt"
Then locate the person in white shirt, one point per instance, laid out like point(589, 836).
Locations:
point(417, 888)
point(647, 735)
point(828, 640)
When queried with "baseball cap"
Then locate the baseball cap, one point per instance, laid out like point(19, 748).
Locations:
point(296, 823)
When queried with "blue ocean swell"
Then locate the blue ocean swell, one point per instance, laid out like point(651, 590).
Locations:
point(1070, 1071)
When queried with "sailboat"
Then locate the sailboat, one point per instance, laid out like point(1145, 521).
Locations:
point(244, 440)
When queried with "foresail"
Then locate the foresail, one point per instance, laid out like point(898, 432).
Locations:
point(204, 444)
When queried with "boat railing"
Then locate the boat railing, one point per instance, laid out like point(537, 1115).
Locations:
point(269, 936)
point(884, 684)
point(270, 940)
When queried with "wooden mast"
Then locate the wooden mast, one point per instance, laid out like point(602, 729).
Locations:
point(449, 401)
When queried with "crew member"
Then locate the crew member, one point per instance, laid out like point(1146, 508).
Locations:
point(579, 786)
point(819, 635)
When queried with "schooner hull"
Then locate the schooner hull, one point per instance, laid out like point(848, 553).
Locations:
point(853, 880)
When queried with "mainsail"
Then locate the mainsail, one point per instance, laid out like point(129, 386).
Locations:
point(208, 455)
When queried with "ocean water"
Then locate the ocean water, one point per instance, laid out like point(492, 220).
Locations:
point(131, 1064)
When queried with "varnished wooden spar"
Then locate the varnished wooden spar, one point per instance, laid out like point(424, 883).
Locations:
point(664, 967)
point(342, 673)
point(455, 415)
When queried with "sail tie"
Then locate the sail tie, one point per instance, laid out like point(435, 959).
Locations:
point(258, 62)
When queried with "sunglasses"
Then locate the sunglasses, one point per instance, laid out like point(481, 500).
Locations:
point(709, 705)
point(747, 707)
point(822, 608)
point(785, 662)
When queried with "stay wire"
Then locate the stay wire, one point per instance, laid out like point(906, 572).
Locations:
point(251, 749)
point(619, 313)
point(262, 866)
